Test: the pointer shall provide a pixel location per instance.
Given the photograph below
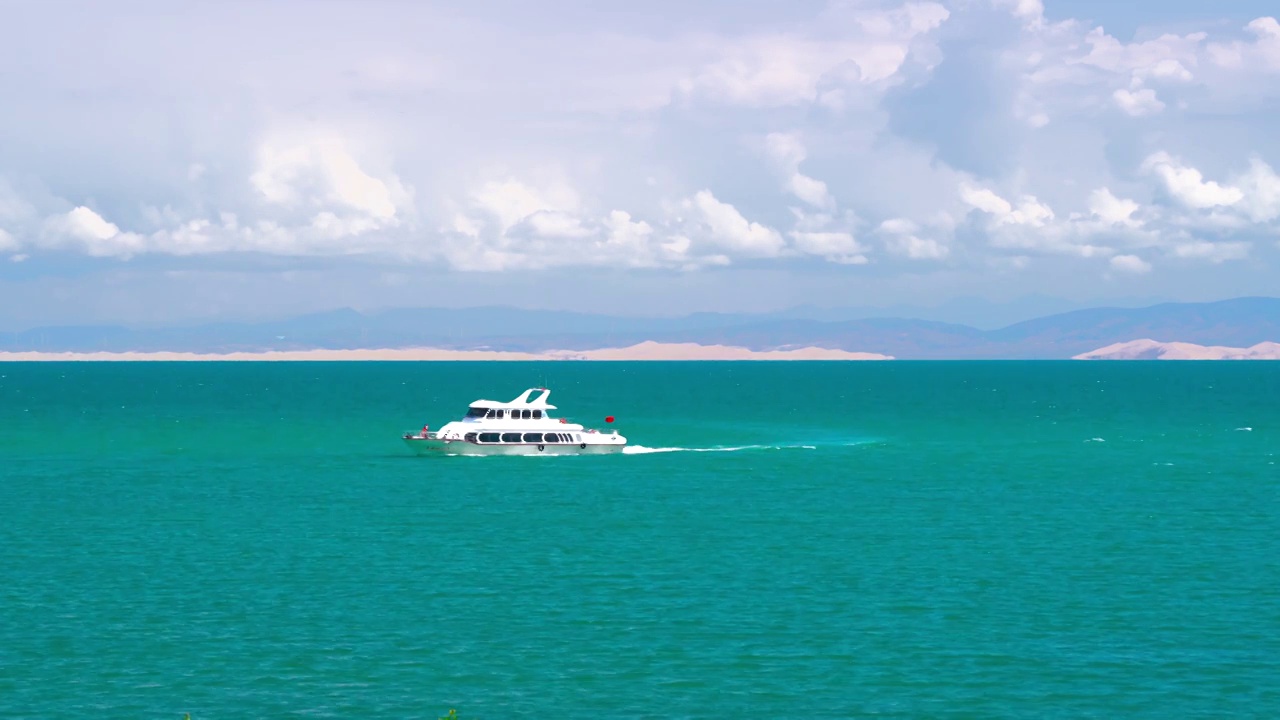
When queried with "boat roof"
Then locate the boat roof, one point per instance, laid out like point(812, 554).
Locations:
point(522, 401)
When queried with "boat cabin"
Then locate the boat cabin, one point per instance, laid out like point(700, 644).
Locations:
point(522, 408)
point(502, 413)
point(516, 438)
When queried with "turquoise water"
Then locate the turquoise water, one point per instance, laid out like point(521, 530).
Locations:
point(904, 540)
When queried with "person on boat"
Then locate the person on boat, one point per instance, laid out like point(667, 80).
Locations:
point(425, 430)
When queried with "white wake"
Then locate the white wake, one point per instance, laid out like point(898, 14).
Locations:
point(642, 450)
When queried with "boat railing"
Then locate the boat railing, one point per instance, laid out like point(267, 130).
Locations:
point(419, 435)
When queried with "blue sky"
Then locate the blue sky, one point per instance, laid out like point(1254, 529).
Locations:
point(168, 162)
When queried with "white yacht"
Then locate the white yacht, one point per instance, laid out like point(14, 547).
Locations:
point(523, 426)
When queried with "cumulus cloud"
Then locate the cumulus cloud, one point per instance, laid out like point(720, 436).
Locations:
point(1029, 225)
point(726, 227)
point(1029, 211)
point(783, 69)
point(1260, 187)
point(89, 230)
point(839, 247)
point(320, 175)
point(1075, 68)
point(510, 224)
point(1112, 210)
point(676, 145)
point(1032, 10)
point(509, 201)
point(902, 237)
point(1262, 54)
point(1187, 185)
point(787, 152)
point(1130, 264)
point(1168, 56)
point(1137, 103)
point(1216, 252)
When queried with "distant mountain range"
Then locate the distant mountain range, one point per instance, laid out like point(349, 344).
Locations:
point(1241, 322)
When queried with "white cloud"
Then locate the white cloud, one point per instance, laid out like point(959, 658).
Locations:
point(1110, 222)
point(918, 248)
point(788, 69)
point(986, 201)
point(1029, 226)
point(511, 202)
point(828, 236)
point(787, 151)
point(510, 224)
point(838, 247)
point(13, 207)
point(1261, 190)
point(463, 145)
point(92, 232)
point(1138, 103)
point(1187, 184)
point(1170, 69)
point(810, 190)
point(630, 238)
point(1075, 69)
point(553, 224)
point(1168, 56)
point(318, 174)
point(464, 225)
point(1029, 210)
point(331, 226)
point(727, 228)
point(903, 238)
point(1030, 12)
point(1214, 252)
point(1130, 264)
point(1263, 54)
point(1112, 210)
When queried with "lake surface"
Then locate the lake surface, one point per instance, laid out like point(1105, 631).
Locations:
point(801, 540)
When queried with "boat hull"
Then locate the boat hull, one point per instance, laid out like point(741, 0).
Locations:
point(432, 446)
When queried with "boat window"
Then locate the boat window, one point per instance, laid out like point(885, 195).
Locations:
point(510, 437)
point(577, 437)
point(490, 437)
point(524, 414)
point(533, 437)
point(477, 412)
point(552, 437)
point(469, 437)
point(494, 413)
point(537, 414)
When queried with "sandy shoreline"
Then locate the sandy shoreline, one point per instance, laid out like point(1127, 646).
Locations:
point(641, 351)
point(1144, 349)
point(1148, 349)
